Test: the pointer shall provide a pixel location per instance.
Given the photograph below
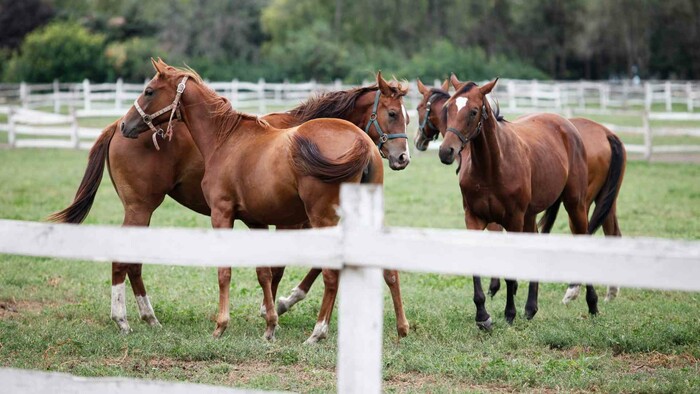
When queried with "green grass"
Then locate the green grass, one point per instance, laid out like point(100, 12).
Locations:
point(55, 313)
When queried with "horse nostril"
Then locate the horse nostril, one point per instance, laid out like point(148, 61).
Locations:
point(402, 158)
point(123, 126)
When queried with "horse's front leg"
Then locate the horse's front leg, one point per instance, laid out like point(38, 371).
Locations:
point(483, 319)
point(391, 277)
point(530, 226)
point(222, 217)
point(265, 280)
point(302, 289)
point(515, 223)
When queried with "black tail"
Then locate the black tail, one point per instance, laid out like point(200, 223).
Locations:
point(608, 193)
point(85, 196)
point(550, 215)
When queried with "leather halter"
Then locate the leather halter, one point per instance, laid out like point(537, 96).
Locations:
point(383, 137)
point(427, 122)
point(174, 110)
point(479, 126)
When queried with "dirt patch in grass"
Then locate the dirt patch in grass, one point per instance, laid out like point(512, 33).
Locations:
point(655, 360)
point(10, 308)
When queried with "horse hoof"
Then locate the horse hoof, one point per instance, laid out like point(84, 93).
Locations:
point(530, 314)
point(486, 325)
point(219, 331)
point(510, 320)
point(282, 306)
point(571, 294)
point(312, 340)
point(403, 330)
point(151, 321)
point(270, 335)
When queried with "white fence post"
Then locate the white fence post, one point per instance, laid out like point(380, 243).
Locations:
point(689, 95)
point(11, 127)
point(512, 104)
point(668, 96)
point(56, 96)
point(75, 129)
point(360, 314)
point(262, 108)
point(234, 93)
point(24, 94)
point(648, 96)
point(118, 94)
point(647, 135)
point(87, 105)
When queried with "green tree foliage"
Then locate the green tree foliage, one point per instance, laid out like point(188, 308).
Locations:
point(66, 51)
point(327, 39)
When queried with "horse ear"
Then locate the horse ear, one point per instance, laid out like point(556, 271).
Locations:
point(383, 85)
point(421, 88)
point(445, 85)
point(455, 82)
point(156, 65)
point(486, 89)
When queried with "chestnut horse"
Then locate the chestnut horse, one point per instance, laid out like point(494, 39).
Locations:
point(176, 168)
point(605, 155)
point(510, 172)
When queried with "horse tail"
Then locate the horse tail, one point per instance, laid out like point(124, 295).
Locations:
point(546, 222)
point(608, 193)
point(85, 196)
point(308, 160)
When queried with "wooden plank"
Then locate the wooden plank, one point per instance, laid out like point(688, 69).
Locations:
point(173, 246)
point(44, 143)
point(37, 382)
point(360, 312)
point(628, 262)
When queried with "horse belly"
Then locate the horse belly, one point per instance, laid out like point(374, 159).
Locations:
point(269, 207)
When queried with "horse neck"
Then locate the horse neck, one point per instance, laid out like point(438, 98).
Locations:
point(359, 116)
point(485, 149)
point(202, 125)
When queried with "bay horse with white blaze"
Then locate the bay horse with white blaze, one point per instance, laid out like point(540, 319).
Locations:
point(605, 155)
point(510, 172)
point(143, 175)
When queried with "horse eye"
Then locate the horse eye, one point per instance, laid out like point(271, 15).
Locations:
point(148, 92)
point(474, 112)
point(392, 114)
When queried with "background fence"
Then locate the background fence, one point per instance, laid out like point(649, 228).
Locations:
point(361, 247)
point(672, 104)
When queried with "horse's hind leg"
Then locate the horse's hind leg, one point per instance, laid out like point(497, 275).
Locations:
point(265, 280)
point(134, 215)
point(611, 228)
point(144, 304)
point(302, 289)
point(391, 277)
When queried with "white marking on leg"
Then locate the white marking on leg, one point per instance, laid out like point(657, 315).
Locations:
point(263, 310)
point(613, 291)
point(119, 307)
point(320, 332)
point(461, 102)
point(146, 310)
point(571, 294)
point(284, 304)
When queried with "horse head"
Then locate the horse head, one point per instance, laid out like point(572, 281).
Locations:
point(464, 115)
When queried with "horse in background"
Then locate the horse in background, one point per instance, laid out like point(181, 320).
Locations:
point(605, 155)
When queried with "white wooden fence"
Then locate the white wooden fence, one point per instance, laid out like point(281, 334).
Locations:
point(517, 96)
point(361, 247)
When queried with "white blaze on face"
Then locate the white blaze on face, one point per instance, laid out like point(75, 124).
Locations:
point(461, 102)
point(405, 118)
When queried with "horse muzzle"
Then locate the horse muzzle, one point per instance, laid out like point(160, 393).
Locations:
point(447, 154)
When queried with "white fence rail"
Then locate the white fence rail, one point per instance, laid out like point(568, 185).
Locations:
point(361, 247)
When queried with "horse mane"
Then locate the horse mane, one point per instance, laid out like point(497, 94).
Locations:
point(340, 103)
point(226, 118)
point(439, 93)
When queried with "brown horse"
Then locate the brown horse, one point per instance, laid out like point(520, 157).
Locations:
point(605, 155)
point(177, 169)
point(510, 172)
point(260, 174)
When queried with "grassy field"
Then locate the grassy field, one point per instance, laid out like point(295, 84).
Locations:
point(54, 314)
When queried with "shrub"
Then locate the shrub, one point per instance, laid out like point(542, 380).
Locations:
point(60, 50)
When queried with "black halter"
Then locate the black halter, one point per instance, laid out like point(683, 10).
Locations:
point(479, 127)
point(383, 138)
point(427, 122)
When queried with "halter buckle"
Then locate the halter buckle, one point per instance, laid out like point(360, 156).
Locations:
point(384, 138)
point(147, 119)
point(181, 86)
point(373, 116)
